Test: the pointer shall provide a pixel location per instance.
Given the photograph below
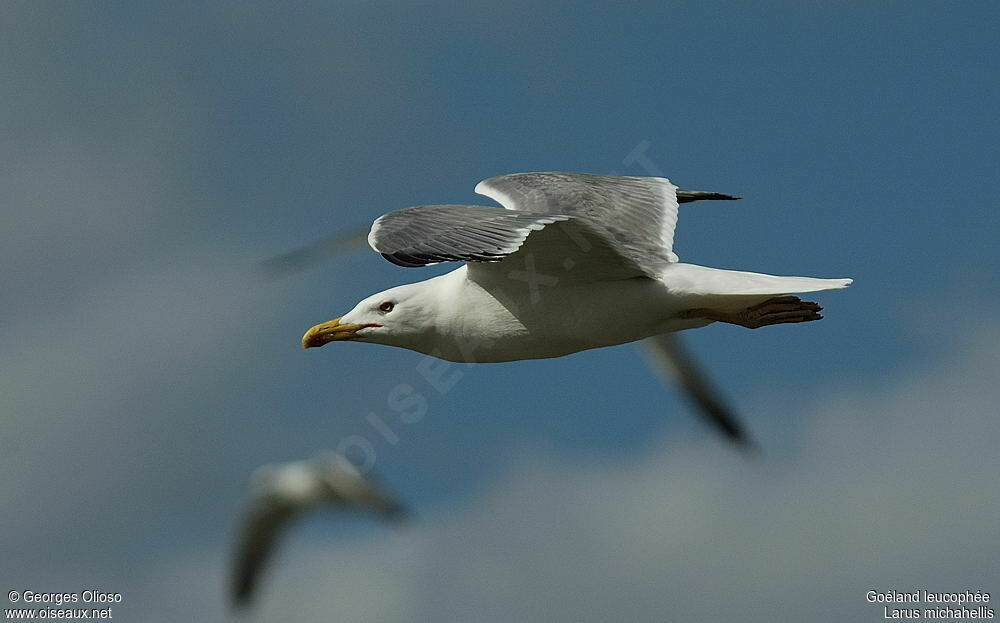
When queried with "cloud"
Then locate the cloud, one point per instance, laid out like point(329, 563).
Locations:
point(891, 487)
point(105, 400)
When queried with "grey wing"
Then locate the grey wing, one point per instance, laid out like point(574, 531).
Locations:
point(344, 483)
point(640, 213)
point(385, 506)
point(261, 530)
point(378, 500)
point(453, 233)
point(670, 356)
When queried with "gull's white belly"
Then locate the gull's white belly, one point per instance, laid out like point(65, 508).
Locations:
point(507, 321)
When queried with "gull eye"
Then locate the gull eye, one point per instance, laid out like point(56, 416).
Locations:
point(386, 307)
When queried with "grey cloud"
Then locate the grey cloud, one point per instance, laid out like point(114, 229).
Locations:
point(887, 488)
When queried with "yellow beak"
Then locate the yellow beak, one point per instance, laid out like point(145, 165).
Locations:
point(330, 331)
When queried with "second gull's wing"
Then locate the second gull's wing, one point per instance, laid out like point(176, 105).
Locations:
point(262, 528)
point(673, 360)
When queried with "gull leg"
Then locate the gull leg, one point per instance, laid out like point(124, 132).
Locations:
point(779, 310)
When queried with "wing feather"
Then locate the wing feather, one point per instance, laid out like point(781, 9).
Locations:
point(448, 233)
point(639, 212)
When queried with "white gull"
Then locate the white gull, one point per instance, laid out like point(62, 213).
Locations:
point(575, 261)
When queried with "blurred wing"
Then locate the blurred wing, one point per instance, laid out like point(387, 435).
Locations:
point(346, 485)
point(262, 528)
point(673, 360)
point(308, 256)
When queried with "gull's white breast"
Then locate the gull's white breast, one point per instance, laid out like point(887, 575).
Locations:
point(488, 320)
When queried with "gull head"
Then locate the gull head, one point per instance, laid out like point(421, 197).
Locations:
point(401, 316)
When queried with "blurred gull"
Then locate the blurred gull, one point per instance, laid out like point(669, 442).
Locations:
point(574, 262)
point(281, 493)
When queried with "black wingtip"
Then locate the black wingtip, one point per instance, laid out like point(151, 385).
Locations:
point(687, 196)
point(727, 424)
point(242, 593)
point(748, 447)
point(397, 514)
point(406, 261)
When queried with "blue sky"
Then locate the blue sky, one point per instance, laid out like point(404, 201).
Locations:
point(154, 155)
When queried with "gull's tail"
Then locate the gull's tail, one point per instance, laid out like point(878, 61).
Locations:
point(696, 280)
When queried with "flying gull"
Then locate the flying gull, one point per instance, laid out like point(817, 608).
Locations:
point(281, 493)
point(667, 354)
point(575, 261)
